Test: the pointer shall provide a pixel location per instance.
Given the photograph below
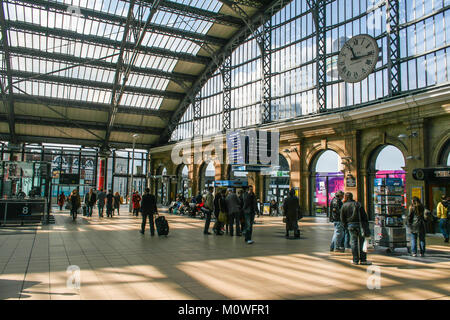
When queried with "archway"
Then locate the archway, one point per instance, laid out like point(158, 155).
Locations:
point(207, 176)
point(276, 182)
point(386, 177)
point(183, 182)
point(326, 180)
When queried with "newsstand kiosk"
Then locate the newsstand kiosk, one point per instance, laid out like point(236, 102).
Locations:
point(389, 227)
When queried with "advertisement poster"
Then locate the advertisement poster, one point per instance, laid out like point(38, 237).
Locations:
point(416, 192)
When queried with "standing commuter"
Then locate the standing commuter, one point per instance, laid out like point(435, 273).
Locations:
point(442, 214)
point(148, 209)
point(249, 208)
point(208, 209)
point(354, 216)
point(234, 208)
point(89, 200)
point(416, 224)
point(117, 203)
point(61, 200)
point(75, 201)
point(291, 210)
point(109, 204)
point(220, 209)
point(101, 198)
point(241, 212)
point(337, 242)
point(136, 203)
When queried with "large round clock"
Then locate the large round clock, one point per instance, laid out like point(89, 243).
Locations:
point(358, 58)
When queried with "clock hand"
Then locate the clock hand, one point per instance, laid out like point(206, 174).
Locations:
point(359, 57)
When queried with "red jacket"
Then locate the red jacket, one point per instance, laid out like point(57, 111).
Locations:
point(136, 199)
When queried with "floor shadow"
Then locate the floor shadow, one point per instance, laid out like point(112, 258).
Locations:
point(11, 289)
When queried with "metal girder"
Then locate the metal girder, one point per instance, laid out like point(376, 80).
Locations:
point(240, 37)
point(120, 20)
point(7, 91)
point(92, 125)
point(74, 141)
point(318, 10)
point(197, 13)
point(393, 47)
point(94, 84)
point(197, 108)
point(250, 3)
point(126, 60)
point(226, 79)
point(168, 6)
point(263, 38)
point(97, 40)
point(33, 53)
point(162, 114)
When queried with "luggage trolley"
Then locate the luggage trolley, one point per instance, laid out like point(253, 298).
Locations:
point(389, 228)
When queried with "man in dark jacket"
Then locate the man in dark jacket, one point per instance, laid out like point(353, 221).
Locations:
point(335, 216)
point(234, 209)
point(249, 209)
point(291, 210)
point(89, 199)
point(350, 212)
point(148, 208)
point(208, 209)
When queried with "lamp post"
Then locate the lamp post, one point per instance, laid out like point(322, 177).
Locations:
point(130, 206)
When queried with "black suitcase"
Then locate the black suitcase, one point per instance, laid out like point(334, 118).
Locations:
point(162, 227)
point(84, 211)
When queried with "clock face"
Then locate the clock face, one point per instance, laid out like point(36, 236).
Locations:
point(357, 58)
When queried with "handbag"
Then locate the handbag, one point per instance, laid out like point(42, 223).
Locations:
point(364, 226)
point(284, 219)
point(68, 205)
point(222, 217)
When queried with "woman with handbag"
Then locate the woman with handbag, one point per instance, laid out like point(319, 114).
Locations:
point(354, 217)
point(416, 224)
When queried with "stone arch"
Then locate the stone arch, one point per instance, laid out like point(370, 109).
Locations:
point(439, 148)
point(316, 150)
point(369, 151)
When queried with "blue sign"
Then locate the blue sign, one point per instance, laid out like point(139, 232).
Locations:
point(230, 183)
point(234, 148)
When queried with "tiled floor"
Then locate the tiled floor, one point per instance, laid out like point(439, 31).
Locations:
point(117, 262)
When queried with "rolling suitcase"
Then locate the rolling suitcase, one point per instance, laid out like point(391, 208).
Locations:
point(84, 210)
point(162, 227)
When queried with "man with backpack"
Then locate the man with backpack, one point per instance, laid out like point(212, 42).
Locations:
point(335, 217)
point(148, 209)
point(355, 218)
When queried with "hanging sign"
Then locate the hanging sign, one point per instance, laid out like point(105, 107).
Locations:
point(350, 182)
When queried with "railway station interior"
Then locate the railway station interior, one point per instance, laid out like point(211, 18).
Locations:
point(295, 98)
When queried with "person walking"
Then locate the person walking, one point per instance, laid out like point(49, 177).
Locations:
point(249, 209)
point(136, 199)
point(355, 218)
point(101, 198)
point(241, 212)
point(61, 200)
point(109, 204)
point(89, 201)
point(442, 215)
point(117, 203)
point(148, 209)
point(234, 208)
point(291, 209)
point(208, 209)
point(416, 224)
point(75, 201)
point(337, 241)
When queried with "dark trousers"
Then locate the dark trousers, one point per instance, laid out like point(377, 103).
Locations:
point(89, 210)
point(109, 211)
point(296, 230)
point(151, 220)
point(234, 218)
point(207, 220)
point(136, 212)
point(249, 219)
point(357, 242)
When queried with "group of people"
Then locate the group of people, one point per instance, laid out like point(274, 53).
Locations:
point(109, 200)
point(237, 211)
point(350, 218)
